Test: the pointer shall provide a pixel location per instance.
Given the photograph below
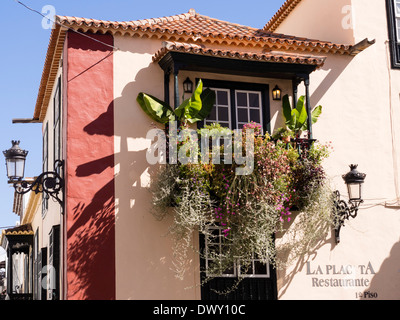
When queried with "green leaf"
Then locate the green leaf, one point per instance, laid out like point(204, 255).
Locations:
point(287, 109)
point(301, 109)
point(180, 111)
point(293, 123)
point(195, 100)
point(315, 114)
point(208, 101)
point(156, 109)
point(190, 107)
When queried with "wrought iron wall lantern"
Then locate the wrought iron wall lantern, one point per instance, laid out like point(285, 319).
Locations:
point(277, 93)
point(188, 86)
point(49, 183)
point(354, 181)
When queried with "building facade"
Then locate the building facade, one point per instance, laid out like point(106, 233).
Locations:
point(104, 243)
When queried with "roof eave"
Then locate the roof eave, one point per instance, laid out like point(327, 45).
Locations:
point(50, 70)
point(287, 7)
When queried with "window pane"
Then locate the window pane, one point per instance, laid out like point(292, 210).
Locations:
point(398, 29)
point(222, 98)
point(397, 7)
point(254, 100)
point(255, 115)
point(241, 99)
point(260, 268)
point(246, 269)
point(221, 109)
point(213, 114)
point(215, 246)
point(242, 115)
point(223, 114)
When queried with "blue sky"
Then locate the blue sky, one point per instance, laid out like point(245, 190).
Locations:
point(24, 44)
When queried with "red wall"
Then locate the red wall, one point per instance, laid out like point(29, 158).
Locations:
point(90, 210)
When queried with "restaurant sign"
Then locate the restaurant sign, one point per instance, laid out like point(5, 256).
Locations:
point(342, 276)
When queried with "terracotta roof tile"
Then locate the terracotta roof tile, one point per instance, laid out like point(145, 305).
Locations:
point(208, 29)
point(25, 229)
point(271, 56)
point(187, 27)
point(281, 15)
point(22, 230)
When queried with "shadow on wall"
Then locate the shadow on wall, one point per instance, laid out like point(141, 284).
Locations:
point(89, 174)
point(91, 233)
point(94, 221)
point(305, 251)
point(333, 71)
point(386, 282)
point(94, 233)
point(121, 126)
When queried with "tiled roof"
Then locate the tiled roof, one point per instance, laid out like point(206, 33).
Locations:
point(51, 65)
point(188, 27)
point(190, 23)
point(281, 15)
point(22, 230)
point(196, 27)
point(280, 57)
point(25, 229)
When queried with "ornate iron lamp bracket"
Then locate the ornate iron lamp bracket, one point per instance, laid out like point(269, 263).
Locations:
point(49, 183)
point(343, 211)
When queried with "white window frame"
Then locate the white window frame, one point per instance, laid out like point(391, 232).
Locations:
point(218, 242)
point(248, 92)
point(217, 105)
point(253, 274)
point(397, 18)
point(236, 266)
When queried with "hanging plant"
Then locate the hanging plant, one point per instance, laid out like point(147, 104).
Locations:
point(251, 209)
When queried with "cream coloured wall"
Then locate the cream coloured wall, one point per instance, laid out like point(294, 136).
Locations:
point(143, 249)
point(360, 118)
point(360, 99)
point(52, 216)
point(329, 20)
point(144, 256)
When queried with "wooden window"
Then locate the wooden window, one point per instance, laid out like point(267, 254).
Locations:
point(45, 203)
point(41, 275)
point(256, 269)
point(216, 244)
point(397, 19)
point(239, 103)
point(54, 262)
point(57, 122)
point(248, 107)
point(221, 110)
point(36, 262)
point(393, 17)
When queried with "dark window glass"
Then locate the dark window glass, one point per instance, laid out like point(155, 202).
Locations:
point(254, 100)
point(222, 98)
point(241, 98)
point(242, 115)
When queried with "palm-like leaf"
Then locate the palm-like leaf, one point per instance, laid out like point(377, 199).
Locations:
point(194, 109)
point(156, 109)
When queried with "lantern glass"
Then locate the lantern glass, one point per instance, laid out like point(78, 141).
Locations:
point(15, 168)
point(277, 93)
point(15, 161)
point(188, 86)
point(355, 191)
